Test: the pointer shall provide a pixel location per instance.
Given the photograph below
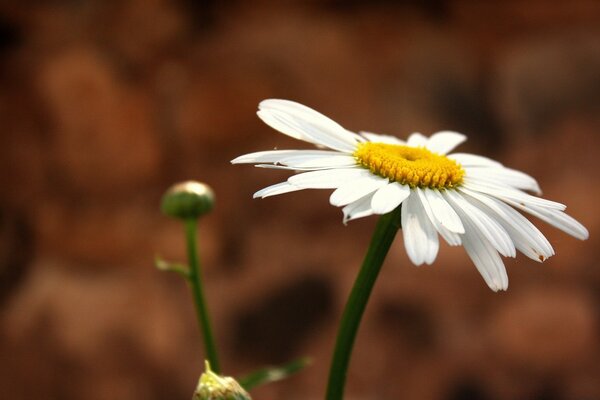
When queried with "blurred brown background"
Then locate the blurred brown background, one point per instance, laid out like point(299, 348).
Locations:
point(104, 104)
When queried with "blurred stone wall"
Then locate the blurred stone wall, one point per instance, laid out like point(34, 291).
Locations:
point(104, 104)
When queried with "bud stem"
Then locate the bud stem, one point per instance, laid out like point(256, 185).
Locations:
point(195, 280)
point(384, 234)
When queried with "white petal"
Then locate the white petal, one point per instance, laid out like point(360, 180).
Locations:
point(472, 160)
point(416, 140)
point(284, 127)
point(377, 138)
point(389, 197)
point(445, 141)
point(358, 209)
point(327, 179)
point(506, 193)
point(304, 123)
point(298, 169)
point(452, 238)
point(354, 190)
point(304, 130)
point(485, 257)
point(420, 239)
point(306, 113)
point(443, 212)
point(273, 156)
point(508, 176)
point(525, 235)
point(319, 161)
point(488, 227)
point(276, 189)
point(556, 218)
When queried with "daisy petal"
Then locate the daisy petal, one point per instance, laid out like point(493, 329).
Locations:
point(452, 238)
point(526, 237)
point(511, 177)
point(319, 161)
point(420, 238)
point(273, 156)
point(284, 127)
point(416, 140)
point(306, 113)
point(358, 209)
point(276, 189)
point(488, 227)
point(389, 197)
point(303, 130)
point(443, 212)
point(472, 160)
point(506, 193)
point(295, 168)
point(377, 138)
point(444, 141)
point(354, 190)
point(327, 179)
point(485, 257)
point(304, 123)
point(556, 218)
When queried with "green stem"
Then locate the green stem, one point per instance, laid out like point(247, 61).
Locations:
point(384, 234)
point(195, 280)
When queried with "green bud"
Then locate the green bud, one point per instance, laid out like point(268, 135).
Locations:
point(188, 200)
point(214, 387)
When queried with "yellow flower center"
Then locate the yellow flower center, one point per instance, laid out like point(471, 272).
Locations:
point(413, 166)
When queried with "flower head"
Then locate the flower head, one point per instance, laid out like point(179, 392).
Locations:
point(215, 387)
point(466, 199)
point(187, 200)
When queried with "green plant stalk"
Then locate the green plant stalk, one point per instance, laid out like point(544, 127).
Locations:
point(384, 234)
point(195, 281)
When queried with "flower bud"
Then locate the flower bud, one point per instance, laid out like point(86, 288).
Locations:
point(188, 200)
point(214, 387)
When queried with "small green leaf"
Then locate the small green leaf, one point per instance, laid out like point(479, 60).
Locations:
point(273, 374)
point(164, 265)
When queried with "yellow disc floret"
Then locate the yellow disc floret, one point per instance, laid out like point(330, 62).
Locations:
point(413, 166)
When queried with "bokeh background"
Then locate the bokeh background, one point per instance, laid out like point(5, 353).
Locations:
point(104, 104)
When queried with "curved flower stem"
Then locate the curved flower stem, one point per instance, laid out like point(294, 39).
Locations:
point(195, 280)
point(384, 234)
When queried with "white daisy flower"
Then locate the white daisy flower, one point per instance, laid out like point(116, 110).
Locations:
point(466, 199)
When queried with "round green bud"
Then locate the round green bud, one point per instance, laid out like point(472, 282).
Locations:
point(188, 200)
point(215, 387)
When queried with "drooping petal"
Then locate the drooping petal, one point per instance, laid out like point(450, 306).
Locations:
point(452, 238)
point(389, 197)
point(358, 209)
point(420, 238)
point(507, 193)
point(327, 179)
point(556, 218)
point(526, 237)
point(485, 257)
point(354, 190)
point(445, 141)
point(443, 211)
point(507, 176)
point(488, 227)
